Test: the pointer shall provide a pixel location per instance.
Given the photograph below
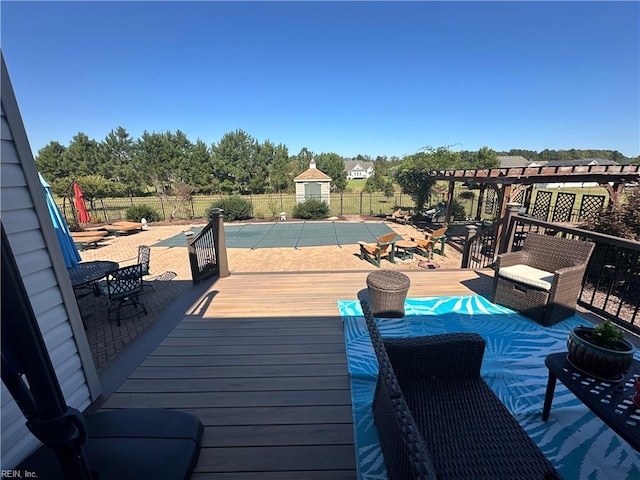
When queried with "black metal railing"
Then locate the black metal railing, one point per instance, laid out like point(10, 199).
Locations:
point(202, 253)
point(481, 247)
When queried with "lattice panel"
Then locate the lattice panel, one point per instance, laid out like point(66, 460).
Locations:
point(518, 198)
point(490, 201)
point(564, 206)
point(590, 206)
point(542, 205)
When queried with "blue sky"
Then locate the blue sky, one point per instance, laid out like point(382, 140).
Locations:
point(374, 78)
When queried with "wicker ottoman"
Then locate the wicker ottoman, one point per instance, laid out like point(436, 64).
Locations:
point(387, 293)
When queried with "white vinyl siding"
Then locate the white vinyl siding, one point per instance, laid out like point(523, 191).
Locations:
point(32, 249)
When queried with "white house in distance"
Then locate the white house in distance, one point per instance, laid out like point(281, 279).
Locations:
point(313, 183)
point(356, 169)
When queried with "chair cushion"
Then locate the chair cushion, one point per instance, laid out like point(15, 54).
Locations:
point(528, 275)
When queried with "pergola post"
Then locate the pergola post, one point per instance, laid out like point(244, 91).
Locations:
point(450, 202)
point(505, 234)
point(615, 193)
point(504, 195)
point(528, 192)
point(483, 186)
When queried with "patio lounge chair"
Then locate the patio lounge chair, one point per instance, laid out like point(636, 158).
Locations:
point(123, 228)
point(374, 252)
point(405, 216)
point(87, 241)
point(543, 280)
point(434, 213)
point(426, 245)
point(89, 233)
point(437, 418)
point(392, 216)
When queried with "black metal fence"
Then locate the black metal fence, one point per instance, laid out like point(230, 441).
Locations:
point(267, 206)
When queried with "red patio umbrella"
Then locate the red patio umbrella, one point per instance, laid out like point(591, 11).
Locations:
point(83, 214)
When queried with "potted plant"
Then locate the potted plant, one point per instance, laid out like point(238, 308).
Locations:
point(600, 351)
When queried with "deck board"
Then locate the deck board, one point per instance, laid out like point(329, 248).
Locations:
point(260, 359)
point(242, 384)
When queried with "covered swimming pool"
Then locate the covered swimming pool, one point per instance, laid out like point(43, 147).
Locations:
point(291, 234)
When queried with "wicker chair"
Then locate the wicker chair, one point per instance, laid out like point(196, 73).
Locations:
point(543, 280)
point(437, 418)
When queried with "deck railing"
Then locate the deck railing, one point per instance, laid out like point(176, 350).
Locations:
point(480, 247)
point(611, 285)
point(207, 250)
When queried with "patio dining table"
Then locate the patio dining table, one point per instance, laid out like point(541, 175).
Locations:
point(87, 273)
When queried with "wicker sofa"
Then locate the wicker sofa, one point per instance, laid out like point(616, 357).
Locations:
point(543, 280)
point(438, 419)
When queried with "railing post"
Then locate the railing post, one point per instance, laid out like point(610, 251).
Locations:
point(506, 229)
point(472, 231)
point(220, 243)
point(449, 213)
point(193, 259)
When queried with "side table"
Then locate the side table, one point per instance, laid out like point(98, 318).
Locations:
point(611, 401)
point(405, 249)
point(387, 293)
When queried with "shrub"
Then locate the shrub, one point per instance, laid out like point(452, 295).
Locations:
point(311, 210)
point(137, 212)
point(622, 221)
point(467, 195)
point(234, 207)
point(458, 211)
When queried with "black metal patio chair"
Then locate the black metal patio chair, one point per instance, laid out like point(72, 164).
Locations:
point(122, 286)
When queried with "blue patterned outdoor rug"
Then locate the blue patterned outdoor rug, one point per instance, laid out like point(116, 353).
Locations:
point(577, 442)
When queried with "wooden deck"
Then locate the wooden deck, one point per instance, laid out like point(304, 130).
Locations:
point(260, 358)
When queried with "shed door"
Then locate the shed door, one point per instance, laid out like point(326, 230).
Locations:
point(313, 190)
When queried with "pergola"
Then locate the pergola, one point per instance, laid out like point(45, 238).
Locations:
point(509, 182)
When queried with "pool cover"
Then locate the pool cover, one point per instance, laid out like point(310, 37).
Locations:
point(291, 234)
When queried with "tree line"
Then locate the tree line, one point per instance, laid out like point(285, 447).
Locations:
point(169, 163)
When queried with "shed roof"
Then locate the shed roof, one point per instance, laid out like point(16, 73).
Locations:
point(312, 174)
